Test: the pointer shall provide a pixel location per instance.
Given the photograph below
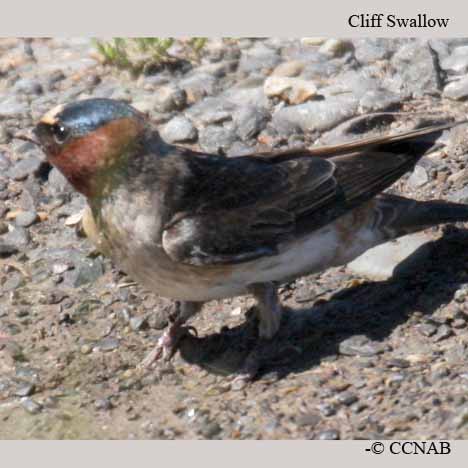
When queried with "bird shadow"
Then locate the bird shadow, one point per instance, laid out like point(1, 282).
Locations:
point(423, 282)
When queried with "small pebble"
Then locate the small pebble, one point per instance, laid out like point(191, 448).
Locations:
point(31, 406)
point(331, 434)
point(26, 218)
point(326, 409)
point(138, 323)
point(86, 349)
point(103, 404)
point(25, 390)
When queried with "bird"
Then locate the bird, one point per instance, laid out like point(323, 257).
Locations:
point(196, 227)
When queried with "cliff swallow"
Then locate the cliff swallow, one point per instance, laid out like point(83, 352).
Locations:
point(194, 227)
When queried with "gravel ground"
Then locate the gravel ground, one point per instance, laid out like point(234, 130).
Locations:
point(376, 350)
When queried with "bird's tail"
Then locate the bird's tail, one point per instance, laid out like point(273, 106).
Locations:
point(398, 216)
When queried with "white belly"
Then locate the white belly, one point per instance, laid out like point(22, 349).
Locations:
point(335, 244)
point(320, 250)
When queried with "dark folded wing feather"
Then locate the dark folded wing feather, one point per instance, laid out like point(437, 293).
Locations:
point(240, 209)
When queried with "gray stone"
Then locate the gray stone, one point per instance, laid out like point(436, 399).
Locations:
point(250, 121)
point(457, 90)
point(108, 344)
point(179, 129)
point(215, 139)
point(11, 106)
point(3, 211)
point(25, 390)
point(457, 61)
point(58, 184)
point(419, 177)
point(210, 429)
point(26, 218)
point(326, 409)
point(31, 406)
point(22, 169)
point(258, 59)
point(414, 63)
point(88, 272)
point(320, 69)
point(4, 135)
point(356, 83)
point(138, 323)
point(218, 69)
point(27, 373)
point(198, 86)
point(441, 47)
point(315, 115)
point(427, 329)
point(169, 98)
point(370, 50)
point(13, 281)
point(392, 259)
point(17, 237)
point(443, 332)
point(310, 419)
point(28, 86)
point(6, 250)
point(246, 96)
point(360, 345)
point(347, 398)
point(103, 404)
point(210, 111)
point(378, 100)
point(4, 162)
point(331, 434)
point(460, 420)
point(460, 196)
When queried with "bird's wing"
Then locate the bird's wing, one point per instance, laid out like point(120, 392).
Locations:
point(240, 209)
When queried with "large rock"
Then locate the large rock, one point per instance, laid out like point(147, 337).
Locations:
point(457, 90)
point(457, 61)
point(370, 50)
point(178, 130)
point(315, 115)
point(415, 64)
point(258, 59)
point(250, 121)
point(399, 257)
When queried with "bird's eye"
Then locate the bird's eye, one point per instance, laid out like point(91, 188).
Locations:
point(60, 133)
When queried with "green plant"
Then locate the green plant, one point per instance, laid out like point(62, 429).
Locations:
point(144, 53)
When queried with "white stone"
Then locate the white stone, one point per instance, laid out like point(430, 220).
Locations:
point(291, 90)
point(386, 260)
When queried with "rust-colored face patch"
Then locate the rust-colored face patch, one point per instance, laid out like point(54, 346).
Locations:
point(83, 159)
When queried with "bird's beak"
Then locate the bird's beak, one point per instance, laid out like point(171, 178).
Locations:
point(30, 136)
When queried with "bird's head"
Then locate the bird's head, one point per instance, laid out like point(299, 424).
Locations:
point(87, 139)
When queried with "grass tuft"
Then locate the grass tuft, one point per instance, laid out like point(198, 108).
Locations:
point(147, 54)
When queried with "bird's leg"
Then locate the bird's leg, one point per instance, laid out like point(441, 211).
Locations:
point(269, 315)
point(269, 309)
point(167, 344)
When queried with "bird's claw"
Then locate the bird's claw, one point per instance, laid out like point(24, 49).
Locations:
point(167, 344)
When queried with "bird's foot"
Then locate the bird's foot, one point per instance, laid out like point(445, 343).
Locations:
point(252, 364)
point(167, 344)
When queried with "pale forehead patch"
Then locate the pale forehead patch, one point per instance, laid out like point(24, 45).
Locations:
point(50, 117)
